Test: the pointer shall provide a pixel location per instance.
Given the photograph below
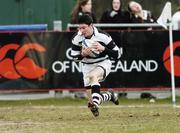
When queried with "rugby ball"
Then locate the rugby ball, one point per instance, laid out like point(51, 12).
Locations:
point(87, 43)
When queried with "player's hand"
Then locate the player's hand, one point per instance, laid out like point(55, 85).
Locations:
point(98, 46)
point(86, 52)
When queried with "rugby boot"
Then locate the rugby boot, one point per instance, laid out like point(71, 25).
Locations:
point(94, 109)
point(114, 97)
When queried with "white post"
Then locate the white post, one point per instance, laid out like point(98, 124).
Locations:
point(166, 16)
point(172, 64)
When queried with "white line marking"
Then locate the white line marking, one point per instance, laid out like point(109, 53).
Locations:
point(102, 106)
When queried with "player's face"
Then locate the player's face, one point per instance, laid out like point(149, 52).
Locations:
point(86, 30)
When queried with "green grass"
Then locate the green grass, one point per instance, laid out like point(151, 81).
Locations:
point(43, 102)
point(72, 116)
point(76, 101)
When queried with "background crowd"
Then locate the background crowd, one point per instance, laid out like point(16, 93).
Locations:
point(133, 12)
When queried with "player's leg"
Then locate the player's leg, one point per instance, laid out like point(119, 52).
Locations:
point(91, 106)
point(94, 76)
point(89, 93)
point(86, 69)
point(97, 75)
point(110, 95)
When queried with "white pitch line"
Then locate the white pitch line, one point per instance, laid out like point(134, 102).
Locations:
point(5, 123)
point(102, 106)
point(177, 106)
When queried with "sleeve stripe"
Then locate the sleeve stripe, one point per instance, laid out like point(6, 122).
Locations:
point(76, 48)
point(75, 53)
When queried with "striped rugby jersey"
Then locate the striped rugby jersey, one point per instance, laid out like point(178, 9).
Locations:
point(111, 49)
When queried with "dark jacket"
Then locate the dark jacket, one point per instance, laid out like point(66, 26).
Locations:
point(111, 16)
point(148, 19)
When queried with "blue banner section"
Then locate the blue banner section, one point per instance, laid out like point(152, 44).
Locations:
point(31, 27)
point(41, 60)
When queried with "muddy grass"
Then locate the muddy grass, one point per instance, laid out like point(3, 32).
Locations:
point(71, 117)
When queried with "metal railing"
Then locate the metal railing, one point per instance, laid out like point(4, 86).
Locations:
point(120, 25)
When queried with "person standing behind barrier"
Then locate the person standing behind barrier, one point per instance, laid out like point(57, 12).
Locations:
point(176, 19)
point(138, 15)
point(115, 14)
point(95, 59)
point(82, 7)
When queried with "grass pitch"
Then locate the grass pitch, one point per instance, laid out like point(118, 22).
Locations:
point(72, 116)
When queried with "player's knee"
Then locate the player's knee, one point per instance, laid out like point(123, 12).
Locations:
point(93, 78)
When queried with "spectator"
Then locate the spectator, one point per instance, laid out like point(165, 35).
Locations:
point(82, 7)
point(176, 19)
point(138, 15)
point(115, 14)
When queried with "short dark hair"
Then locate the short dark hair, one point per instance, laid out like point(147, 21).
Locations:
point(85, 19)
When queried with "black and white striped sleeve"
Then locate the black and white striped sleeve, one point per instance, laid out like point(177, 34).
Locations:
point(111, 49)
point(76, 49)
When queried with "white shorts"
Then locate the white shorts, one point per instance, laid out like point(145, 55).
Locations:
point(87, 68)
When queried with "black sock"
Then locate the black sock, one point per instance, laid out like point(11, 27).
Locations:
point(96, 95)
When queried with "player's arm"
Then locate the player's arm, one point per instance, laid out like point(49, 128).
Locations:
point(112, 50)
point(76, 53)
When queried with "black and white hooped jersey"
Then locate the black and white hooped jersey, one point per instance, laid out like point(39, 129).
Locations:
point(111, 49)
